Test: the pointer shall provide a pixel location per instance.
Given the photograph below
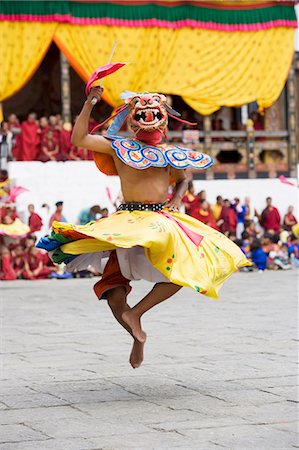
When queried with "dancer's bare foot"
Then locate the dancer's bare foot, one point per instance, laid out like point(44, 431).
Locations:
point(134, 323)
point(136, 356)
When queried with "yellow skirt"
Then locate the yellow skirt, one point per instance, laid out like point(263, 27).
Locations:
point(185, 251)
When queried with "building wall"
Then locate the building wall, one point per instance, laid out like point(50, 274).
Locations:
point(80, 185)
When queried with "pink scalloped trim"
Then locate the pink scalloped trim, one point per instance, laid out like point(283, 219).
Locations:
point(150, 22)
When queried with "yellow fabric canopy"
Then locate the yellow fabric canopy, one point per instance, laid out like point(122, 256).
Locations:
point(23, 46)
point(208, 68)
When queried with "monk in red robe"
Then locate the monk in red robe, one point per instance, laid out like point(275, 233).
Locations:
point(227, 222)
point(270, 218)
point(34, 221)
point(190, 200)
point(204, 214)
point(15, 127)
point(6, 271)
point(49, 148)
point(18, 260)
point(289, 219)
point(34, 265)
point(29, 139)
point(65, 144)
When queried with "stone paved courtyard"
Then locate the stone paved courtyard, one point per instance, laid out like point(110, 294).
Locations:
point(217, 374)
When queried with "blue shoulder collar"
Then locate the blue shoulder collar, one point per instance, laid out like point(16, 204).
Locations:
point(138, 155)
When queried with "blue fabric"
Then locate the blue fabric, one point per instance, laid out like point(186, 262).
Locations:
point(241, 215)
point(259, 258)
point(117, 122)
point(48, 244)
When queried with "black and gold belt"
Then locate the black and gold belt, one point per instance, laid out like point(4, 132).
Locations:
point(139, 206)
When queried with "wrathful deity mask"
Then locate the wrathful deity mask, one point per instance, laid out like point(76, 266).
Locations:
point(147, 112)
point(144, 112)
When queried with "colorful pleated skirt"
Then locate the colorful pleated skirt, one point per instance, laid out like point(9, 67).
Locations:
point(156, 246)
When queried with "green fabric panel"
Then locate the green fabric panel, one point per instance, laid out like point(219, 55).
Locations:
point(149, 11)
point(59, 257)
point(60, 238)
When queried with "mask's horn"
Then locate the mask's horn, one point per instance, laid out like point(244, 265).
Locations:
point(171, 111)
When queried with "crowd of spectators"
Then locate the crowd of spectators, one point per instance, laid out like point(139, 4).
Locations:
point(49, 138)
point(267, 239)
point(44, 139)
point(19, 256)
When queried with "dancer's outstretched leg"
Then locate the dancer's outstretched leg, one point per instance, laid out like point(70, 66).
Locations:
point(117, 302)
point(159, 293)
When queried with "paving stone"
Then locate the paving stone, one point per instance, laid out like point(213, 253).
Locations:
point(19, 433)
point(216, 374)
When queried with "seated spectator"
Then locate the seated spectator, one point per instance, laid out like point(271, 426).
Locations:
point(54, 127)
point(49, 148)
point(34, 268)
point(8, 214)
point(90, 214)
point(270, 247)
point(34, 221)
point(270, 218)
point(280, 258)
point(258, 256)
point(246, 241)
point(6, 271)
point(80, 154)
point(43, 127)
point(18, 259)
point(104, 213)
point(251, 230)
point(289, 219)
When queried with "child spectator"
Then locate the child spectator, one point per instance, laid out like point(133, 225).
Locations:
point(245, 243)
point(280, 257)
point(90, 214)
point(258, 256)
point(104, 213)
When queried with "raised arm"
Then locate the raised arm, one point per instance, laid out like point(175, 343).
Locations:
point(80, 136)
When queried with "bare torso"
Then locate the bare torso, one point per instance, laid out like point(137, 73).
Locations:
point(147, 185)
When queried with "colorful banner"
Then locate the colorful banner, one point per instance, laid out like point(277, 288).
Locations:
point(212, 54)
